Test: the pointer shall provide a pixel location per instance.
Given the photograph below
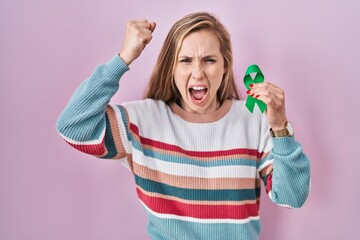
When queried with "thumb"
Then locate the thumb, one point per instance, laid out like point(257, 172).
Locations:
point(152, 26)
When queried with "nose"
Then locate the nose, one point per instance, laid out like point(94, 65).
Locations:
point(197, 71)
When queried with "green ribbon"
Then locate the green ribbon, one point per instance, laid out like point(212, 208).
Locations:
point(259, 78)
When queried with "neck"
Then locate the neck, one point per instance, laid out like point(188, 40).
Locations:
point(207, 117)
point(210, 109)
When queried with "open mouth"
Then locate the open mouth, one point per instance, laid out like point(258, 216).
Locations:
point(198, 93)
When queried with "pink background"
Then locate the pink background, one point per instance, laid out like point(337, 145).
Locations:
point(50, 191)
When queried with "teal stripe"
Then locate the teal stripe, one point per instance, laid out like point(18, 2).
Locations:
point(165, 229)
point(124, 120)
point(267, 158)
point(191, 161)
point(185, 160)
point(265, 178)
point(109, 141)
point(181, 159)
point(198, 194)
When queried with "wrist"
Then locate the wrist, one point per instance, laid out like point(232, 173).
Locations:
point(281, 126)
point(285, 131)
point(124, 58)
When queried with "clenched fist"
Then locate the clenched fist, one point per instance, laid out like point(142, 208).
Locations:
point(138, 34)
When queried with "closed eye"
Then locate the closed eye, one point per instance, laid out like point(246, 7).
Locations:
point(210, 60)
point(185, 60)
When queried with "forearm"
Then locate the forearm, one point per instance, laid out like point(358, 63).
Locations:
point(291, 173)
point(83, 121)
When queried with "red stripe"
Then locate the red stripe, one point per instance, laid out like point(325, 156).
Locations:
point(173, 207)
point(269, 183)
point(93, 149)
point(174, 148)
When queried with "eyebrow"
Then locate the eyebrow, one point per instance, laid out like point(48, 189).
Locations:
point(207, 56)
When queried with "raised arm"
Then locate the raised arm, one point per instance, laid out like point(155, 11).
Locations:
point(89, 123)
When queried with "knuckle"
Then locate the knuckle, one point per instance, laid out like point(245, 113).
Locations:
point(267, 101)
point(130, 24)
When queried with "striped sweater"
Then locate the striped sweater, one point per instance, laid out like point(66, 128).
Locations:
point(198, 176)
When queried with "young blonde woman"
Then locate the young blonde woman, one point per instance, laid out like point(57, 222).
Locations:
point(198, 155)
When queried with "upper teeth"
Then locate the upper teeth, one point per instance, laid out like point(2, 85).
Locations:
point(198, 88)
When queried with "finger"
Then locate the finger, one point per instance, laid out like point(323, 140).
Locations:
point(268, 101)
point(277, 98)
point(145, 23)
point(272, 103)
point(152, 26)
point(140, 25)
point(269, 90)
point(142, 21)
point(143, 30)
point(267, 85)
point(147, 39)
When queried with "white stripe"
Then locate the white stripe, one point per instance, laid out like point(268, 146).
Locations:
point(279, 204)
point(199, 220)
point(265, 164)
point(157, 122)
point(192, 170)
point(88, 142)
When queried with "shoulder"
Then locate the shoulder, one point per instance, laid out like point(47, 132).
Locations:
point(243, 112)
point(145, 109)
point(145, 104)
point(255, 120)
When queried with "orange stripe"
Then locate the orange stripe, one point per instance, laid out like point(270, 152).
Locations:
point(195, 182)
point(204, 159)
point(121, 153)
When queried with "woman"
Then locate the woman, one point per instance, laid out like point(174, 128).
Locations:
point(197, 154)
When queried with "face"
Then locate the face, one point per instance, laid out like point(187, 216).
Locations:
point(199, 71)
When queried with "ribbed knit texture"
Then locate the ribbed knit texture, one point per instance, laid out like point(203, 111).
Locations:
point(197, 177)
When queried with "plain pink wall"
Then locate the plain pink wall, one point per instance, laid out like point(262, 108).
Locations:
point(50, 191)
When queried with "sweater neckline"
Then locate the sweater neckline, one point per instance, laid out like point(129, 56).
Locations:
point(201, 117)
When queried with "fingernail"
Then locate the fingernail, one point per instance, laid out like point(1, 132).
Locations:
point(252, 95)
point(248, 91)
point(257, 96)
point(251, 85)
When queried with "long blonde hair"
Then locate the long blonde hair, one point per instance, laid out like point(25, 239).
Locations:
point(161, 84)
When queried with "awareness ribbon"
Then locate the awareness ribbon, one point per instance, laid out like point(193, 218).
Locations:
point(259, 78)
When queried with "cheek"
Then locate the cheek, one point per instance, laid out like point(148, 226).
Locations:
point(180, 84)
point(181, 79)
point(182, 72)
point(217, 77)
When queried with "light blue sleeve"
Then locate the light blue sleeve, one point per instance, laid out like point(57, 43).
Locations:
point(84, 122)
point(291, 173)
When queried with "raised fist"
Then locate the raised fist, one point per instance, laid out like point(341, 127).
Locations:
point(138, 35)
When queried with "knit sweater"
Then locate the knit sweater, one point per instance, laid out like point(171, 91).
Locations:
point(198, 176)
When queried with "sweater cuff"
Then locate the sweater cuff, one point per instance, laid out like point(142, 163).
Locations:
point(284, 145)
point(117, 67)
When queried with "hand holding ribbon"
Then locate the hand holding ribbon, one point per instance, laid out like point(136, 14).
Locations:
point(267, 96)
point(259, 78)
